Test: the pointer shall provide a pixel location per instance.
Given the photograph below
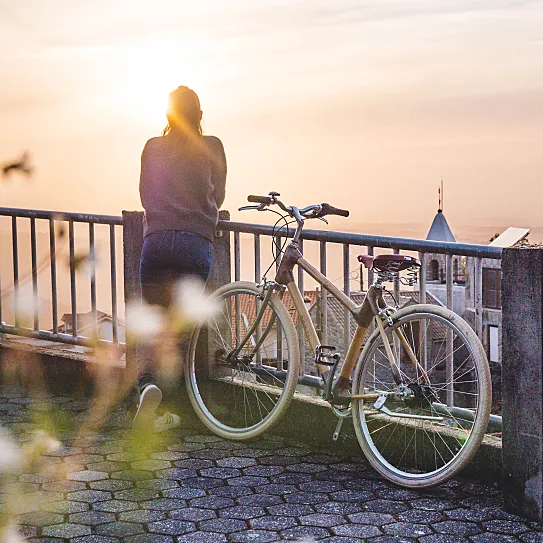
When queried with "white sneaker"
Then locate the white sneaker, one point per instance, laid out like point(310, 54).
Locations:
point(167, 422)
point(149, 401)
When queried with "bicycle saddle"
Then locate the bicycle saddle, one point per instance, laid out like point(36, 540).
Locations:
point(390, 263)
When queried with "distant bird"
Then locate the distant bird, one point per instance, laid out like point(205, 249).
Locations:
point(22, 165)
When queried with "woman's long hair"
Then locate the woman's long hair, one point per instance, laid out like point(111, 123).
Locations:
point(184, 115)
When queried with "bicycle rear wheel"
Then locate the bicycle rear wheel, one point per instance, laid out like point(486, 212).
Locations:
point(425, 433)
point(240, 397)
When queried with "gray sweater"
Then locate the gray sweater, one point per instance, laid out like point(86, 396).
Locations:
point(182, 186)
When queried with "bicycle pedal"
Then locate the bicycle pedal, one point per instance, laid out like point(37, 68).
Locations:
point(325, 356)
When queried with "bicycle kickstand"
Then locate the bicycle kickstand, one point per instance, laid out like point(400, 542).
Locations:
point(339, 424)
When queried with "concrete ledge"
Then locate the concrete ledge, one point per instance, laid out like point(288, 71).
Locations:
point(309, 419)
point(65, 372)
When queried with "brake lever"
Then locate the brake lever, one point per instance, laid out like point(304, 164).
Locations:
point(322, 219)
point(246, 208)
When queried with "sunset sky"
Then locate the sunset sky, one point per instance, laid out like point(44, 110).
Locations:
point(364, 104)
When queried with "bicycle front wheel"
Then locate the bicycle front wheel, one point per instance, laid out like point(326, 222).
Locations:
point(423, 431)
point(241, 393)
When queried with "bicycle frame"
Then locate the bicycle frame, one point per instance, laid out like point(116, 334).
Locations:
point(372, 308)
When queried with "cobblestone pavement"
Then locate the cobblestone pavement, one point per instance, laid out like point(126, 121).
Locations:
point(194, 487)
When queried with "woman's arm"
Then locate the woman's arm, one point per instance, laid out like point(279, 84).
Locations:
point(144, 175)
point(218, 169)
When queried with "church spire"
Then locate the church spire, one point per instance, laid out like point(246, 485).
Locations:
point(440, 197)
point(440, 230)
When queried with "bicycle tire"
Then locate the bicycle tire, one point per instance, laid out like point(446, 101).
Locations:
point(229, 398)
point(455, 440)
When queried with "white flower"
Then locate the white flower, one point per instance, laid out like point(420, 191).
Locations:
point(143, 322)
point(45, 442)
point(25, 305)
point(10, 535)
point(42, 444)
point(190, 302)
point(10, 454)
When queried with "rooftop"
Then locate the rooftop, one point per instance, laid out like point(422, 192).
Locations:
point(406, 297)
point(440, 230)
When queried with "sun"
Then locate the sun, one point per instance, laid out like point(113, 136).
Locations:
point(144, 76)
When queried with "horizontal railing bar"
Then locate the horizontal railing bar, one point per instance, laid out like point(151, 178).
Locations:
point(311, 381)
point(494, 421)
point(61, 216)
point(385, 242)
point(281, 375)
point(58, 338)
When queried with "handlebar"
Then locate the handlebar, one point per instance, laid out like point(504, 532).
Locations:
point(316, 211)
point(327, 209)
point(266, 200)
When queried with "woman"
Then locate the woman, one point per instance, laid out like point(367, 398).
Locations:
point(182, 186)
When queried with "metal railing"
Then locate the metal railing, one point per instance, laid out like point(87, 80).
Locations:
point(56, 223)
point(324, 239)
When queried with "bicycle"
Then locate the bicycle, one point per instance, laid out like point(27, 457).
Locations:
point(418, 388)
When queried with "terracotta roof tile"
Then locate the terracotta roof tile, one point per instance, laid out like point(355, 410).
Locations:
point(248, 307)
point(84, 320)
point(338, 310)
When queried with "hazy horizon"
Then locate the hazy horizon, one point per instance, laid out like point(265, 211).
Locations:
point(364, 104)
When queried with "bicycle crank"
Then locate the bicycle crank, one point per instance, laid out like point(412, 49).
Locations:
point(341, 414)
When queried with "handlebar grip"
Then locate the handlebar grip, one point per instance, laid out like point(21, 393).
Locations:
point(327, 209)
point(266, 200)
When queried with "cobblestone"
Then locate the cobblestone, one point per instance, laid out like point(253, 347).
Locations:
point(66, 530)
point(172, 527)
point(192, 487)
point(91, 518)
point(120, 529)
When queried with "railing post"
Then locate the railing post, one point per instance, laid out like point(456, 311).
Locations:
point(522, 380)
point(221, 271)
point(221, 274)
point(449, 340)
point(422, 299)
point(478, 297)
point(132, 244)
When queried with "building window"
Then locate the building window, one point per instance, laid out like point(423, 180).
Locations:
point(493, 343)
point(434, 270)
point(492, 288)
